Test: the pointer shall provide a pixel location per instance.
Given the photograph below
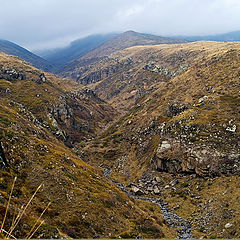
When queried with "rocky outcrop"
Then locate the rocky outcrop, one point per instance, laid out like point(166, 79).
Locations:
point(155, 68)
point(3, 159)
point(177, 157)
point(174, 109)
point(186, 147)
point(102, 73)
point(13, 74)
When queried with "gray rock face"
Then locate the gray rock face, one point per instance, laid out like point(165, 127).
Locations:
point(102, 73)
point(175, 158)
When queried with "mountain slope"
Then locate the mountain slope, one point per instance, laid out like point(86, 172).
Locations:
point(38, 114)
point(122, 41)
point(78, 48)
point(14, 49)
point(129, 39)
point(225, 37)
point(183, 127)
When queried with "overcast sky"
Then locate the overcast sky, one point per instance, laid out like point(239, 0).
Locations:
point(40, 24)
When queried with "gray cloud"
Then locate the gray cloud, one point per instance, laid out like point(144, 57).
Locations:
point(38, 24)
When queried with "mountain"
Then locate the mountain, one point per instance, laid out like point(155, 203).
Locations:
point(129, 39)
point(225, 37)
point(180, 124)
point(14, 49)
point(78, 48)
point(121, 41)
point(147, 146)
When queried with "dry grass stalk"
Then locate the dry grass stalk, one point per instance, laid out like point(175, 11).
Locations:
point(36, 229)
point(14, 216)
point(38, 220)
point(7, 233)
point(10, 196)
point(18, 218)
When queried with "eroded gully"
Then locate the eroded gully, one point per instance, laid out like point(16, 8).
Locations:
point(183, 227)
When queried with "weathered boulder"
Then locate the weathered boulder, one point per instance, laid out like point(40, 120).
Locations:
point(156, 190)
point(137, 191)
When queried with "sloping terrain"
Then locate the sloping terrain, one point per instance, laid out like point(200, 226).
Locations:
point(14, 49)
point(75, 50)
point(224, 37)
point(184, 131)
point(38, 114)
point(76, 68)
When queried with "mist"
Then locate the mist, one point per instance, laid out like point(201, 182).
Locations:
point(49, 24)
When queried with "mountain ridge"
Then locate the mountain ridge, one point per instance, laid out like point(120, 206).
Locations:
point(76, 49)
point(121, 41)
point(223, 37)
point(16, 50)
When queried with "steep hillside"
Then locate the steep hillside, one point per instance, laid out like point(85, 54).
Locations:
point(127, 39)
point(38, 112)
point(75, 50)
point(130, 74)
point(184, 131)
point(71, 112)
point(14, 49)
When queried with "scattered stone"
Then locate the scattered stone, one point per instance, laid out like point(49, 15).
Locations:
point(232, 129)
point(158, 179)
point(156, 190)
point(136, 190)
point(228, 225)
point(176, 207)
point(202, 99)
point(150, 189)
point(8, 90)
point(173, 109)
point(173, 182)
point(164, 146)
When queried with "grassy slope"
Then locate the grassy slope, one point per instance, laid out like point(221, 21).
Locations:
point(131, 143)
point(84, 203)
